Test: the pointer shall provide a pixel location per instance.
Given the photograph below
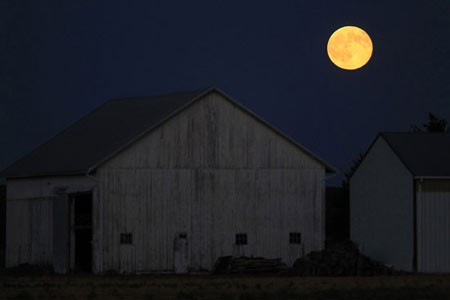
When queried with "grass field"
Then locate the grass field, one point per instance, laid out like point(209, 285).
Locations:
point(433, 287)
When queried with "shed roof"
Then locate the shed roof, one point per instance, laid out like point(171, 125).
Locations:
point(107, 130)
point(424, 154)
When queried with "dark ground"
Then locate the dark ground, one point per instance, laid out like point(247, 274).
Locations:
point(414, 287)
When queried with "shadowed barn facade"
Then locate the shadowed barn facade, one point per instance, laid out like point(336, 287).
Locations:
point(166, 183)
point(400, 201)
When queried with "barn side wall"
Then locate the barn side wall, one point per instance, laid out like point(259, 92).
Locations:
point(211, 172)
point(381, 207)
point(433, 225)
point(2, 224)
point(29, 222)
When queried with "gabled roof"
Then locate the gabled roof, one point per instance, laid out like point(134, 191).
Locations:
point(424, 154)
point(106, 131)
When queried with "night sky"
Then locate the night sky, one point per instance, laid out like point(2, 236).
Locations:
point(61, 59)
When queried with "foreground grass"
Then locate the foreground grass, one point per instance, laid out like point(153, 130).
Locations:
point(433, 287)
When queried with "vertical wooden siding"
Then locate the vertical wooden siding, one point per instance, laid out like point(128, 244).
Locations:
point(29, 223)
point(433, 226)
point(212, 171)
point(211, 207)
point(213, 133)
point(29, 236)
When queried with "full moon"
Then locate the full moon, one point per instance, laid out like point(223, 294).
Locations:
point(350, 48)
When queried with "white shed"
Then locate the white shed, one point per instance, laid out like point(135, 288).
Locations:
point(165, 183)
point(400, 201)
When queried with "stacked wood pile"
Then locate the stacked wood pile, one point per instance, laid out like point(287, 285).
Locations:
point(341, 259)
point(249, 265)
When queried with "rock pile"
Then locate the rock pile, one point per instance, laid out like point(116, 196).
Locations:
point(249, 265)
point(341, 259)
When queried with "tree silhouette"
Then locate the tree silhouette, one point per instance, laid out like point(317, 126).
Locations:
point(434, 124)
point(349, 173)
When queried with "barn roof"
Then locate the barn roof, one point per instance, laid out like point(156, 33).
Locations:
point(107, 130)
point(424, 154)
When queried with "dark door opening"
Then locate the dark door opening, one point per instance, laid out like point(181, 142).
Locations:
point(82, 232)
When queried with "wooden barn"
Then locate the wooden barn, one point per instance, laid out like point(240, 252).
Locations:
point(400, 201)
point(164, 184)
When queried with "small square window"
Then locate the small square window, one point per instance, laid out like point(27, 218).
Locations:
point(241, 239)
point(126, 238)
point(295, 238)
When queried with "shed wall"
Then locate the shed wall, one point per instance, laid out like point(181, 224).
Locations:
point(29, 222)
point(29, 236)
point(2, 224)
point(381, 207)
point(433, 225)
point(211, 172)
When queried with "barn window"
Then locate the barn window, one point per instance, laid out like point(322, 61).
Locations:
point(241, 239)
point(295, 238)
point(126, 238)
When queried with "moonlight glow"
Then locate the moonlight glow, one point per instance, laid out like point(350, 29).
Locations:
point(350, 48)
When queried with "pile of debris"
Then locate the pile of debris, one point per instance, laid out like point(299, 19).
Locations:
point(341, 259)
point(249, 265)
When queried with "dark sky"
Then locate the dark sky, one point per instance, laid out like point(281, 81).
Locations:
point(61, 59)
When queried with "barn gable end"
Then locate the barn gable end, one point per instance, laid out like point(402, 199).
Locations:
point(213, 133)
point(212, 171)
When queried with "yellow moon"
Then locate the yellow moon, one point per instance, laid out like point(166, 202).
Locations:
point(350, 48)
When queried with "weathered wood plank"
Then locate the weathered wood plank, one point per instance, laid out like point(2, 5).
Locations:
point(213, 133)
point(221, 204)
point(29, 232)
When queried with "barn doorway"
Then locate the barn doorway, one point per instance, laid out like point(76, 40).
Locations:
point(81, 235)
